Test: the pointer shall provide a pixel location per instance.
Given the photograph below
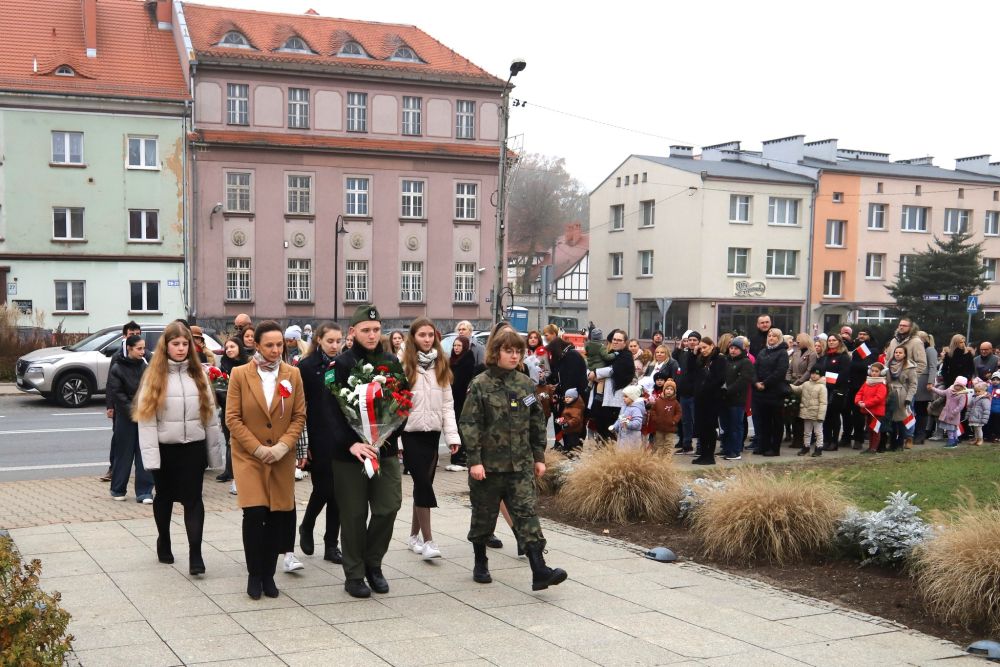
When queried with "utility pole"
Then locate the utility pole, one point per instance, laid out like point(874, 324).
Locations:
point(501, 260)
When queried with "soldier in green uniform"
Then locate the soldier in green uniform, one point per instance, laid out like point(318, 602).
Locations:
point(504, 432)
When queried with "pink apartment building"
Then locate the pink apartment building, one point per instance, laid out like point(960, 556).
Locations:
point(337, 162)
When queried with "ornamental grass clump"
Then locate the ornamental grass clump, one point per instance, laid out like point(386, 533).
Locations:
point(758, 515)
point(557, 467)
point(958, 570)
point(622, 487)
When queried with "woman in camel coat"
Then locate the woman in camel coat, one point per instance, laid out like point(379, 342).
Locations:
point(265, 413)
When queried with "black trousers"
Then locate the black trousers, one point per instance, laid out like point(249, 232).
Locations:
point(834, 415)
point(772, 427)
point(180, 479)
point(265, 535)
point(420, 456)
point(322, 494)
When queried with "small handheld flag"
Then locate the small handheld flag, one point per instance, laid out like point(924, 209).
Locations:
point(863, 351)
point(876, 426)
point(910, 420)
point(831, 377)
point(960, 430)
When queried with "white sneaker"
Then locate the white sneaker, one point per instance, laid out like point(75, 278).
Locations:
point(431, 550)
point(119, 498)
point(292, 563)
point(299, 475)
point(232, 489)
point(416, 544)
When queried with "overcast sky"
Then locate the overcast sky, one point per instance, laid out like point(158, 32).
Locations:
point(907, 78)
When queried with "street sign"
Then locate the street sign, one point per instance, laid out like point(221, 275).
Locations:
point(973, 305)
point(173, 283)
point(954, 297)
point(935, 297)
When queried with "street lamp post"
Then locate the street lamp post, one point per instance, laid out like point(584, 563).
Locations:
point(501, 261)
point(338, 228)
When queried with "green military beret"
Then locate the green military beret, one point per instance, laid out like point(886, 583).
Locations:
point(365, 313)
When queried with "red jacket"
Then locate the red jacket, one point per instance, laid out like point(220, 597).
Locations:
point(664, 414)
point(873, 396)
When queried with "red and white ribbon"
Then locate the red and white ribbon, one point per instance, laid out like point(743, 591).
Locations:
point(367, 393)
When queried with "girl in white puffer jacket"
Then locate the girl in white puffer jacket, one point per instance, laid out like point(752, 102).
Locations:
point(433, 413)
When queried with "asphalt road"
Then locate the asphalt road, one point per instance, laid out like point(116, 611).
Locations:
point(39, 440)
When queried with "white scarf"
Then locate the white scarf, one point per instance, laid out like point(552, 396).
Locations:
point(427, 359)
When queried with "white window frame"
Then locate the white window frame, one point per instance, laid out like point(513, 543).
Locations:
point(299, 283)
point(734, 258)
point(617, 261)
point(617, 218)
point(465, 119)
point(74, 289)
point(144, 221)
point(412, 115)
point(959, 217)
point(356, 196)
point(411, 281)
point(239, 280)
point(240, 41)
point(739, 209)
point(646, 259)
point(298, 194)
point(357, 112)
point(873, 316)
point(352, 49)
point(298, 108)
point(356, 281)
point(411, 202)
point(776, 261)
point(838, 198)
point(915, 219)
point(836, 233)
point(829, 278)
point(877, 215)
point(295, 48)
point(875, 266)
point(906, 263)
point(64, 139)
point(990, 269)
point(67, 213)
point(144, 306)
point(143, 143)
point(648, 210)
point(235, 191)
point(237, 104)
point(466, 201)
point(781, 209)
point(465, 282)
point(991, 223)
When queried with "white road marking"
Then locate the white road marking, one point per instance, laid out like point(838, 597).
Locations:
point(54, 467)
point(74, 414)
point(57, 430)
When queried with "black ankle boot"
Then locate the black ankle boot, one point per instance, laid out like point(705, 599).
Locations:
point(163, 553)
point(481, 570)
point(803, 451)
point(254, 586)
point(196, 565)
point(306, 541)
point(542, 576)
point(269, 587)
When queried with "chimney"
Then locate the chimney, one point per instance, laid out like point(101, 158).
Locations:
point(90, 27)
point(977, 164)
point(573, 233)
point(721, 151)
point(825, 150)
point(918, 161)
point(786, 149)
point(853, 154)
point(681, 151)
point(164, 14)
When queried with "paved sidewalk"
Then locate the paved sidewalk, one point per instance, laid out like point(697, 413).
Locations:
point(616, 608)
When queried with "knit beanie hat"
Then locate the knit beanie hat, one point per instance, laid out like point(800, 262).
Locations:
point(572, 393)
point(632, 391)
point(293, 332)
point(738, 343)
point(661, 375)
point(596, 334)
point(962, 381)
point(671, 385)
point(693, 334)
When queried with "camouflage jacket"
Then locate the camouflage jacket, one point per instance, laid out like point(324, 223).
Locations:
point(502, 422)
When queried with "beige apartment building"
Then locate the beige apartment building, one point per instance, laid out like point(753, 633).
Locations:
point(712, 240)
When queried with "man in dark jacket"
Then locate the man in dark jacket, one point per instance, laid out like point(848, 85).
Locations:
point(740, 375)
point(364, 542)
point(129, 329)
point(862, 358)
point(770, 391)
point(686, 355)
point(758, 337)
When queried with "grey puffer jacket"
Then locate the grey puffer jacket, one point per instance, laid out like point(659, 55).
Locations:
point(979, 409)
point(179, 420)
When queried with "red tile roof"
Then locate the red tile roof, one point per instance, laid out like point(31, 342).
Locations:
point(267, 31)
point(570, 249)
point(310, 142)
point(134, 58)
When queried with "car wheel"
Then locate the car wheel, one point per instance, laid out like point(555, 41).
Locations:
point(73, 390)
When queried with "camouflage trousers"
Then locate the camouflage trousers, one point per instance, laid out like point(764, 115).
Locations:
point(517, 490)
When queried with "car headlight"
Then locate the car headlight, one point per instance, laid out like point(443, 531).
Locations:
point(37, 365)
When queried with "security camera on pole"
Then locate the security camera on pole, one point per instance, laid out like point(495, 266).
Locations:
point(515, 66)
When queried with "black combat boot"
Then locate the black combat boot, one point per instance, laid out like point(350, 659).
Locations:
point(542, 576)
point(481, 570)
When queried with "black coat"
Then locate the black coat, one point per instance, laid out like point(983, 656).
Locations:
point(859, 367)
point(226, 365)
point(709, 377)
point(685, 373)
point(123, 383)
point(115, 358)
point(758, 341)
point(771, 369)
point(570, 372)
point(841, 365)
point(320, 409)
point(622, 371)
point(342, 435)
point(740, 374)
point(959, 364)
point(462, 370)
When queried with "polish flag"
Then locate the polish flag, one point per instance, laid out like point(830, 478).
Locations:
point(961, 430)
point(831, 377)
point(863, 350)
point(876, 426)
point(909, 421)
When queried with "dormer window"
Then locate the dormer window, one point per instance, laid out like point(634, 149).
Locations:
point(234, 40)
point(65, 70)
point(352, 50)
point(295, 45)
point(405, 54)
